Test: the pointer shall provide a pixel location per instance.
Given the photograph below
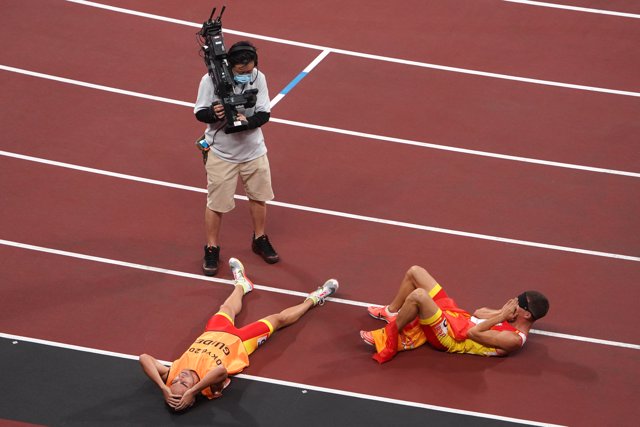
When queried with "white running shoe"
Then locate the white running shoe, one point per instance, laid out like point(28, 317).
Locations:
point(239, 275)
point(319, 295)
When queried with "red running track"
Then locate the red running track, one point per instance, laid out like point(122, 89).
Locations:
point(161, 227)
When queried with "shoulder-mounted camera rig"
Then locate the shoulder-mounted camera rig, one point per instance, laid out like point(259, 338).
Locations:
point(211, 41)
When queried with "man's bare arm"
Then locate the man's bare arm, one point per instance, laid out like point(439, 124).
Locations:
point(158, 373)
point(155, 370)
point(504, 341)
point(486, 313)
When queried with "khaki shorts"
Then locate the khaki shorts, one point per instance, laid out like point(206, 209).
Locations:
point(222, 179)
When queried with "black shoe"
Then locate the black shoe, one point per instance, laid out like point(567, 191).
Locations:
point(262, 246)
point(211, 260)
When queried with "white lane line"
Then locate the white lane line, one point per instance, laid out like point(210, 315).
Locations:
point(317, 60)
point(330, 212)
point(457, 232)
point(166, 271)
point(76, 255)
point(489, 74)
point(395, 401)
point(456, 149)
point(576, 8)
point(277, 98)
point(95, 86)
point(586, 339)
point(18, 338)
point(299, 77)
point(365, 55)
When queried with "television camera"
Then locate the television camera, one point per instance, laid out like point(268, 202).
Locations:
point(211, 41)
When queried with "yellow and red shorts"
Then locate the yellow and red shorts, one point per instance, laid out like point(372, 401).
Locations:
point(252, 335)
point(448, 324)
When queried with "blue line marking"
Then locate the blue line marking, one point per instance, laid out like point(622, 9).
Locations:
point(294, 82)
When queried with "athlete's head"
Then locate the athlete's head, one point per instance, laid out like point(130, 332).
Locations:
point(534, 303)
point(183, 382)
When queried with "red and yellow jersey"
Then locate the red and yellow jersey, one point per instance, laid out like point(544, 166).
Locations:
point(445, 330)
point(442, 337)
point(469, 346)
point(211, 349)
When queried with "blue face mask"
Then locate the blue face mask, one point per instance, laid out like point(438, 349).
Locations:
point(242, 78)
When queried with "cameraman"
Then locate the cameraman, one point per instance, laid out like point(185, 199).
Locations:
point(242, 154)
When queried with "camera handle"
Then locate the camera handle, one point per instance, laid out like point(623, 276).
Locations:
point(218, 68)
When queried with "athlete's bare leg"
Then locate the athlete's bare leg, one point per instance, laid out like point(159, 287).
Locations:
point(417, 303)
point(289, 315)
point(415, 278)
point(233, 304)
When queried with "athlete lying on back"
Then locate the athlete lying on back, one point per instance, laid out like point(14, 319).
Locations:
point(223, 349)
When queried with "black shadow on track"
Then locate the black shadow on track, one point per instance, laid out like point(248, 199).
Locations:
point(62, 387)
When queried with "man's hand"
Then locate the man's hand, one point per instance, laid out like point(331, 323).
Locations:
point(509, 310)
point(218, 110)
point(187, 400)
point(172, 399)
point(217, 388)
point(503, 341)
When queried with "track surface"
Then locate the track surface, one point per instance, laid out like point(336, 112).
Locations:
point(572, 230)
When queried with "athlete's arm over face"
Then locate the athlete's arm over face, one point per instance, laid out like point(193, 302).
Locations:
point(503, 341)
point(158, 373)
point(486, 313)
